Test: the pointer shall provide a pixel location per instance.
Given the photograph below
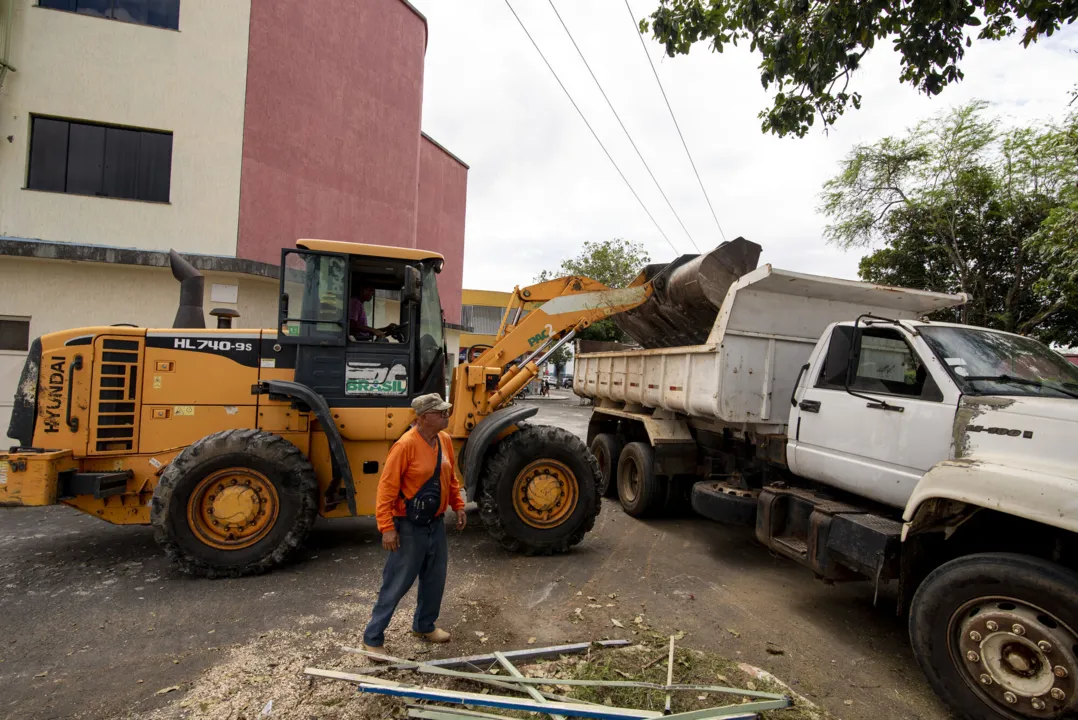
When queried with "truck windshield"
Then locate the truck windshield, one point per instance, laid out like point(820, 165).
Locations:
point(983, 362)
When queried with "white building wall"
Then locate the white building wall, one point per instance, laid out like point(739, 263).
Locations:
point(191, 82)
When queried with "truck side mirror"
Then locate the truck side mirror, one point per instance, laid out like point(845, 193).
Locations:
point(412, 290)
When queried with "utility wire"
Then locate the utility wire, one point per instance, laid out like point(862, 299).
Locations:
point(636, 31)
point(593, 134)
point(623, 128)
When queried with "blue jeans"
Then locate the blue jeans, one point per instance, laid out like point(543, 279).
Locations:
point(423, 554)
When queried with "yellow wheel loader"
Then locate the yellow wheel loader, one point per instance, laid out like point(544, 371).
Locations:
point(230, 442)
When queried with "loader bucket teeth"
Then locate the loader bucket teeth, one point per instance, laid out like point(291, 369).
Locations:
point(688, 294)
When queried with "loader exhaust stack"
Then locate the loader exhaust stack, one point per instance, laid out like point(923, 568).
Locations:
point(688, 294)
point(189, 315)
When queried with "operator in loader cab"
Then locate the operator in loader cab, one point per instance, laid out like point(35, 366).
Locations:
point(358, 326)
point(418, 483)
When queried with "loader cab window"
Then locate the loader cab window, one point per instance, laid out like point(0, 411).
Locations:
point(314, 290)
point(375, 312)
point(431, 339)
point(886, 364)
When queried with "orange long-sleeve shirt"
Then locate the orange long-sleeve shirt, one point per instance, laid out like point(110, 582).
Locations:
point(409, 465)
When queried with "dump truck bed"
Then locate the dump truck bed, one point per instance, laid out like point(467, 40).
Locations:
point(764, 332)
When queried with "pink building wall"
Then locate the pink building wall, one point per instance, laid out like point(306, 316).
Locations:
point(443, 188)
point(331, 143)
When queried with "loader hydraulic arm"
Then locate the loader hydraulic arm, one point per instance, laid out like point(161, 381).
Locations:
point(562, 307)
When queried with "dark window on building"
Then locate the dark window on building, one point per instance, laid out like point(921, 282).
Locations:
point(86, 159)
point(14, 334)
point(158, 13)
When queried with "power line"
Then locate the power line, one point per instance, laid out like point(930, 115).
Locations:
point(623, 128)
point(593, 134)
point(644, 47)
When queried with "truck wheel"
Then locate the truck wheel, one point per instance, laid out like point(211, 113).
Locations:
point(234, 503)
point(540, 492)
point(995, 635)
point(606, 447)
point(641, 493)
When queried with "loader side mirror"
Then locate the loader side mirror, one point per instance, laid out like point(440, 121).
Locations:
point(412, 290)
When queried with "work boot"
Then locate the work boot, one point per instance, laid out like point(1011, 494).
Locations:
point(435, 636)
point(378, 649)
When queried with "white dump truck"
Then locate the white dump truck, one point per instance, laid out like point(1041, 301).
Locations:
point(867, 444)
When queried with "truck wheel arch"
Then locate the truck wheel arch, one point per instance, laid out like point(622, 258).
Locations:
point(975, 484)
point(967, 507)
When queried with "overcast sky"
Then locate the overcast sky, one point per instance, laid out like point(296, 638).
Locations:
point(540, 185)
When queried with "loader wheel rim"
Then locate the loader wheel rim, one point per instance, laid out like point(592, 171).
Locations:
point(545, 493)
point(1015, 655)
point(233, 508)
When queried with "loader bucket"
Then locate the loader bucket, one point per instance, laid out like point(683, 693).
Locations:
point(688, 294)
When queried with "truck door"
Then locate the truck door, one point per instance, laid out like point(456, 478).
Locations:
point(879, 437)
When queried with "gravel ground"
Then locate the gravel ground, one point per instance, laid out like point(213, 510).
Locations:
point(94, 623)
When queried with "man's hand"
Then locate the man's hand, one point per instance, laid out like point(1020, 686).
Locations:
point(462, 519)
point(391, 540)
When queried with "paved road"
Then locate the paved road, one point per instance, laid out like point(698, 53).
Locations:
point(89, 610)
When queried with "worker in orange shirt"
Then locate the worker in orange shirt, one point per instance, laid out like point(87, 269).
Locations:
point(418, 483)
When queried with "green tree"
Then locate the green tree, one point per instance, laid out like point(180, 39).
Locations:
point(960, 205)
point(810, 49)
point(615, 263)
point(1057, 238)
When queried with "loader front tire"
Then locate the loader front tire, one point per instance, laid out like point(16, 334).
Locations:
point(234, 503)
point(540, 491)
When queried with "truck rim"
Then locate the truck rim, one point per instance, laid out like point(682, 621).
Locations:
point(545, 493)
point(233, 508)
point(630, 488)
point(1018, 657)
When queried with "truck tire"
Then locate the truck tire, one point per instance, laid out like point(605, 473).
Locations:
point(640, 491)
point(995, 634)
point(606, 447)
point(725, 504)
point(540, 491)
point(234, 503)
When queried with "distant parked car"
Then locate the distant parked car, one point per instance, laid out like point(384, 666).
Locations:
point(567, 381)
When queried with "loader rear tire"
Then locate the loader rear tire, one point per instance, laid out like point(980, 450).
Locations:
point(606, 447)
point(641, 492)
point(540, 491)
point(236, 502)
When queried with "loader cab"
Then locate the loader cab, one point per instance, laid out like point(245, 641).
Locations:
point(365, 320)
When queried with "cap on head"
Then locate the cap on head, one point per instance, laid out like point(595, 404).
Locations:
point(431, 402)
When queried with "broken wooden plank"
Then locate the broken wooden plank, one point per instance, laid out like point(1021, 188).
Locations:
point(350, 677)
point(512, 670)
point(731, 712)
point(669, 675)
point(512, 655)
point(603, 683)
point(597, 712)
point(436, 712)
point(484, 679)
